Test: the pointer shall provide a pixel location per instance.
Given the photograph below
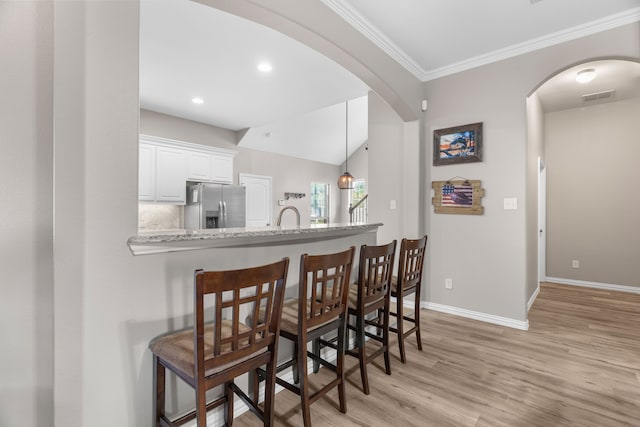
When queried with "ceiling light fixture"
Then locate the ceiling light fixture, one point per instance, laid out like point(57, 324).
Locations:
point(345, 182)
point(585, 76)
point(264, 67)
point(197, 100)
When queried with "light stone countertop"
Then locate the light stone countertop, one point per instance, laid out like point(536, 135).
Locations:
point(161, 241)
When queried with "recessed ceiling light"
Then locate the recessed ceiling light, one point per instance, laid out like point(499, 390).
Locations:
point(197, 100)
point(264, 67)
point(585, 76)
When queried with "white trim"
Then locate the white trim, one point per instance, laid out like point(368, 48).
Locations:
point(595, 285)
point(627, 17)
point(533, 298)
point(175, 143)
point(370, 31)
point(476, 315)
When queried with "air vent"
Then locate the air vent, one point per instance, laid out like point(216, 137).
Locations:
point(598, 95)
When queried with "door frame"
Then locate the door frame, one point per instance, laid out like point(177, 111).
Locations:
point(269, 198)
point(542, 221)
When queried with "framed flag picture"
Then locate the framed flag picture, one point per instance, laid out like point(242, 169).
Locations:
point(463, 197)
point(460, 144)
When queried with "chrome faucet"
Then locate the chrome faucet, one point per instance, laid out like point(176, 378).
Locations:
point(293, 208)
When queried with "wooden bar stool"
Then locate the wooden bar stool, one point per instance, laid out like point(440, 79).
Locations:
point(371, 295)
point(407, 282)
point(320, 309)
point(216, 352)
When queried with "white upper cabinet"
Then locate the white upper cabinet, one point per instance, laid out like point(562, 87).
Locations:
point(222, 169)
point(165, 166)
point(171, 173)
point(146, 173)
point(200, 166)
point(213, 167)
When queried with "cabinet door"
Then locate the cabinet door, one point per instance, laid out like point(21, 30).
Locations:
point(146, 173)
point(200, 165)
point(258, 194)
point(171, 175)
point(222, 169)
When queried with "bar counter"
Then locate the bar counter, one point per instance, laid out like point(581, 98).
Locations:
point(161, 241)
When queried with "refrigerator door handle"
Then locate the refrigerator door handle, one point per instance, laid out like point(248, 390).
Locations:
point(224, 206)
point(221, 218)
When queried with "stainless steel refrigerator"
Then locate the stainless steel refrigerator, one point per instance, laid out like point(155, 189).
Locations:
point(215, 206)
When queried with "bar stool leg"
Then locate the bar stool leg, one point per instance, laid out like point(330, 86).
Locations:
point(416, 316)
point(295, 368)
point(315, 348)
point(340, 365)
point(400, 328)
point(228, 407)
point(385, 336)
point(159, 385)
point(304, 385)
point(362, 354)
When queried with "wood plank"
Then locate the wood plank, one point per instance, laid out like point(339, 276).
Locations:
point(578, 365)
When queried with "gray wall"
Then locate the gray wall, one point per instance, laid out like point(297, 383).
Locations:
point(290, 175)
point(107, 303)
point(26, 214)
point(592, 202)
point(386, 156)
point(486, 256)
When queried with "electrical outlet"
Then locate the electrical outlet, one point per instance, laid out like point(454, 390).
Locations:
point(448, 283)
point(575, 263)
point(392, 204)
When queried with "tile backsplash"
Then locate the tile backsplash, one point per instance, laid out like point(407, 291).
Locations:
point(160, 217)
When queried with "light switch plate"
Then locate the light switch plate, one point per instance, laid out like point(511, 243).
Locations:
point(392, 204)
point(510, 203)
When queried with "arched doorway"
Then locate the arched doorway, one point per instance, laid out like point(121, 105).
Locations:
point(586, 135)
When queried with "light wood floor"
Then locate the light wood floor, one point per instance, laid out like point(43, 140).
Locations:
point(578, 365)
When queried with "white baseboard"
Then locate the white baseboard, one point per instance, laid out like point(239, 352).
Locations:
point(476, 315)
point(595, 285)
point(533, 298)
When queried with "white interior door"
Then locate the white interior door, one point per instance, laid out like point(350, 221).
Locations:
point(258, 199)
point(542, 221)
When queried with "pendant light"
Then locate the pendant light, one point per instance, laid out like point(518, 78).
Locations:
point(345, 182)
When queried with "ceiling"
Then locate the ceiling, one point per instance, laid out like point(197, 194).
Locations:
point(298, 108)
point(614, 81)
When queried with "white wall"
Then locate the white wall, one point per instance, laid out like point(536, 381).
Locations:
point(592, 204)
point(26, 215)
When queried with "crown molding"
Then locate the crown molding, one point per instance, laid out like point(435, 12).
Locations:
point(613, 21)
point(370, 31)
